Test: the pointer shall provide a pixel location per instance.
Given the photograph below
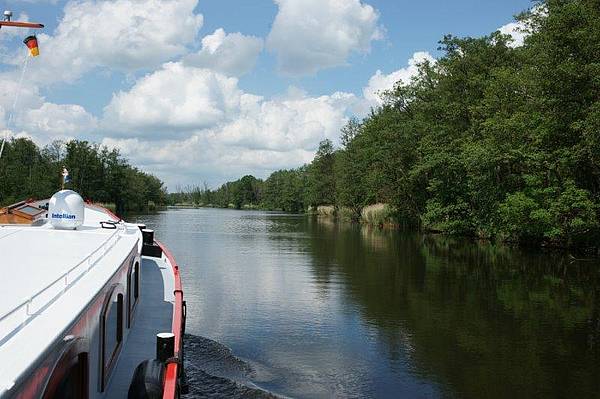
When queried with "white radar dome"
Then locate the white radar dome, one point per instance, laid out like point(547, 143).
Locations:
point(65, 210)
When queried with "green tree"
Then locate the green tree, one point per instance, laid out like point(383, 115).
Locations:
point(97, 173)
point(321, 176)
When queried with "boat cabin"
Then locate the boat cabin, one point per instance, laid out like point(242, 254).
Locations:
point(24, 212)
point(90, 306)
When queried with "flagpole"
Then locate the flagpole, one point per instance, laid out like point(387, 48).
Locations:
point(65, 173)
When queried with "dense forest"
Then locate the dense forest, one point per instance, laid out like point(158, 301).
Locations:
point(97, 173)
point(491, 140)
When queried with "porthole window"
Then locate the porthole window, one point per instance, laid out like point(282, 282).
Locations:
point(111, 329)
point(133, 291)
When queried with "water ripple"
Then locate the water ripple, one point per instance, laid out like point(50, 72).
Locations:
point(213, 371)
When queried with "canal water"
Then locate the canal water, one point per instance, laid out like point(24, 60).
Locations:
point(299, 306)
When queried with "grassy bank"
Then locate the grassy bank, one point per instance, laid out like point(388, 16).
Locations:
point(375, 215)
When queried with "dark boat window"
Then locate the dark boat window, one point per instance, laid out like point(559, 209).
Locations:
point(112, 334)
point(136, 281)
point(133, 290)
point(75, 383)
point(70, 377)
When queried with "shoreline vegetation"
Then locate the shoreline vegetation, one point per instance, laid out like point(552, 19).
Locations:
point(99, 174)
point(493, 140)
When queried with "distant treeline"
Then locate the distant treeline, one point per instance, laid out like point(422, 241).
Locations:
point(489, 141)
point(99, 174)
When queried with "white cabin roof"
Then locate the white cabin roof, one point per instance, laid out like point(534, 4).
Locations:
point(48, 277)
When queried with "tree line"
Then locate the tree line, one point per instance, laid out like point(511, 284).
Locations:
point(491, 140)
point(98, 173)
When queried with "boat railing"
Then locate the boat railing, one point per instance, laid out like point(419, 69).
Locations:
point(20, 314)
point(172, 372)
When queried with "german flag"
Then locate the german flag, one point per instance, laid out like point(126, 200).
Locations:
point(32, 44)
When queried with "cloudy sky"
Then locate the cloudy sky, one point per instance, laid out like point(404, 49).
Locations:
point(209, 90)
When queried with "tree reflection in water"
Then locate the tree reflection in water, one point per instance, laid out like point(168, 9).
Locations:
point(479, 319)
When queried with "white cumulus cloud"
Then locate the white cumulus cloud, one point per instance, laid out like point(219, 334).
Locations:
point(180, 100)
point(516, 30)
point(14, 96)
point(296, 121)
point(309, 35)
point(121, 34)
point(381, 82)
point(175, 98)
point(24, 112)
point(181, 120)
point(519, 30)
point(232, 54)
point(58, 120)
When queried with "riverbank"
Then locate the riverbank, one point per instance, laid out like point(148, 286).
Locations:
point(187, 205)
point(381, 215)
point(384, 216)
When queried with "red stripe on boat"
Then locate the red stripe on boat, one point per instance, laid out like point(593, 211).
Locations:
point(170, 387)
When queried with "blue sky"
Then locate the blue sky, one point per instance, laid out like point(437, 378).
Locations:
point(198, 91)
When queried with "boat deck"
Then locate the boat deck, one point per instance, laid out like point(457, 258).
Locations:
point(153, 315)
point(47, 255)
point(49, 279)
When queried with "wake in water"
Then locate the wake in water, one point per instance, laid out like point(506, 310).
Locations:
point(213, 371)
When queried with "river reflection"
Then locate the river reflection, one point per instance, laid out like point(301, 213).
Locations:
point(320, 309)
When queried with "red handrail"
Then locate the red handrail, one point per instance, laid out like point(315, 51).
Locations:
point(170, 387)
